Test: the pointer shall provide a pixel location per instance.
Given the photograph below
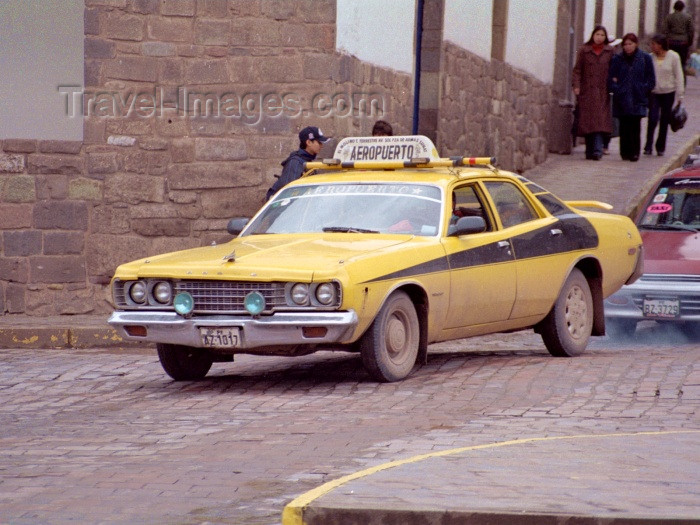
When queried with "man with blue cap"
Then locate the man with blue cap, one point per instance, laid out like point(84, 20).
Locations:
point(310, 141)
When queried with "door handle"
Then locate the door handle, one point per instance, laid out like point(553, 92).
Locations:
point(503, 244)
point(555, 231)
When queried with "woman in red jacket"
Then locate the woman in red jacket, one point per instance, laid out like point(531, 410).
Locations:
point(590, 83)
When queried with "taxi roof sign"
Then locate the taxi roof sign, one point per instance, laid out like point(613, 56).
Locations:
point(402, 148)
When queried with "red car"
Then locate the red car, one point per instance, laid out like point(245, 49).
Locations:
point(669, 289)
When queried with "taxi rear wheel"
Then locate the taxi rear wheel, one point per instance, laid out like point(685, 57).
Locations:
point(389, 348)
point(568, 326)
point(184, 363)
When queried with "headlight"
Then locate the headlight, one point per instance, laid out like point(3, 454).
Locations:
point(325, 293)
point(137, 292)
point(162, 292)
point(300, 293)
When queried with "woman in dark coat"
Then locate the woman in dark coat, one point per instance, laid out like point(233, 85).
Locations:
point(590, 83)
point(631, 79)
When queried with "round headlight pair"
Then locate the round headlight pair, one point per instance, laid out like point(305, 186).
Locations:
point(162, 292)
point(324, 293)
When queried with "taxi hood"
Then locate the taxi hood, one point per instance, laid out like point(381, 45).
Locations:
point(277, 257)
point(674, 252)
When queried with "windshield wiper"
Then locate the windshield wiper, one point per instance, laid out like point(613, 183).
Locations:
point(347, 229)
point(681, 227)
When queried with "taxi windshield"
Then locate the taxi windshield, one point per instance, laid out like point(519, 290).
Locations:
point(352, 208)
point(676, 203)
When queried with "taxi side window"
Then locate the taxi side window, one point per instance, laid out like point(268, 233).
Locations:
point(511, 204)
point(466, 203)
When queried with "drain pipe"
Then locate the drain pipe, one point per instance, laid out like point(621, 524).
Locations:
point(416, 76)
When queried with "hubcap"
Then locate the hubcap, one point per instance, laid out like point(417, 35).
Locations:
point(396, 337)
point(576, 313)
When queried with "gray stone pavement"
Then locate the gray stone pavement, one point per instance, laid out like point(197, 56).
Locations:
point(610, 437)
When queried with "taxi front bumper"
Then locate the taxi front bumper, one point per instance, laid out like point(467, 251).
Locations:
point(279, 329)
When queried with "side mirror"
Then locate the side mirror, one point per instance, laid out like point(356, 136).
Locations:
point(236, 225)
point(466, 226)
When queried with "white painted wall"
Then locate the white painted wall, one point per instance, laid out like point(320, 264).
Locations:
point(380, 32)
point(532, 37)
point(468, 25)
point(41, 48)
point(609, 17)
point(631, 22)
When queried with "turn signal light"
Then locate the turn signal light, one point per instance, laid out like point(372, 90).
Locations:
point(314, 332)
point(136, 330)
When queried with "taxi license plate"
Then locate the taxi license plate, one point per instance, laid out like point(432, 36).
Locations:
point(661, 308)
point(220, 337)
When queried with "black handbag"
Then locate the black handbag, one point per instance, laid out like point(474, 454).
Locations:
point(679, 116)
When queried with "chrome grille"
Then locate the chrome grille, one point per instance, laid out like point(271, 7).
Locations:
point(228, 296)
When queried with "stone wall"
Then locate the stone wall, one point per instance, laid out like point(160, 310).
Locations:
point(189, 107)
point(492, 109)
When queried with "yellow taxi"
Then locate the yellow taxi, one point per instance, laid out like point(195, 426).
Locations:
point(383, 250)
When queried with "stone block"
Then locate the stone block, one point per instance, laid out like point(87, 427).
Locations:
point(99, 48)
point(212, 32)
point(134, 162)
point(145, 7)
point(212, 9)
point(104, 253)
point(213, 175)
point(70, 147)
point(235, 202)
point(182, 150)
point(21, 243)
point(11, 163)
point(19, 188)
point(213, 71)
point(321, 66)
point(121, 26)
point(177, 7)
point(15, 216)
point(85, 189)
point(19, 145)
point(158, 49)
point(220, 149)
point(91, 21)
point(158, 162)
point(57, 269)
point(61, 215)
point(170, 29)
point(161, 227)
point(64, 164)
point(138, 69)
point(92, 73)
point(134, 189)
point(153, 144)
point(100, 163)
point(14, 269)
point(51, 187)
point(170, 72)
point(110, 220)
point(14, 298)
point(63, 243)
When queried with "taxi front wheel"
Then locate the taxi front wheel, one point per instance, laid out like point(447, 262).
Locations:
point(184, 363)
point(567, 328)
point(389, 348)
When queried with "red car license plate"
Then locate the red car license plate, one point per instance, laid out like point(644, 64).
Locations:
point(220, 337)
point(661, 308)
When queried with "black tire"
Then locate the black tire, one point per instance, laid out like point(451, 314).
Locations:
point(389, 348)
point(620, 328)
point(184, 363)
point(568, 326)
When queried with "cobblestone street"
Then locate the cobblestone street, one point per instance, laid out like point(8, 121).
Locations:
point(106, 437)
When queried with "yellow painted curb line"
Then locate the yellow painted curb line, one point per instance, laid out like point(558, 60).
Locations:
point(293, 513)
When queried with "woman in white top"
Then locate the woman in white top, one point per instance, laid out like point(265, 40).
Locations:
point(669, 87)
